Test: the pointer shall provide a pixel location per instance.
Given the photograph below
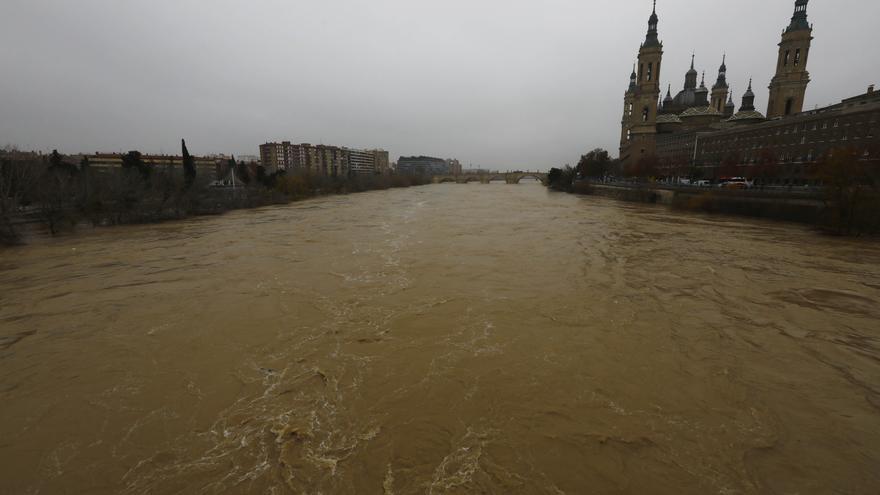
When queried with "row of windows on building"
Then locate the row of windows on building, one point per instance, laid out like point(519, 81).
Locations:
point(784, 157)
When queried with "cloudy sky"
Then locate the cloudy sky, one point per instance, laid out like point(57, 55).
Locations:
point(500, 83)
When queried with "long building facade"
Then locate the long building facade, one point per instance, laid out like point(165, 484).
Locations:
point(423, 165)
point(700, 132)
point(331, 161)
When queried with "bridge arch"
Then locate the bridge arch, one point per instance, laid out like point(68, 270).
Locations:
point(542, 178)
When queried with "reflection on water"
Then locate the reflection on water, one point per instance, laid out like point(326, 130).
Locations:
point(443, 339)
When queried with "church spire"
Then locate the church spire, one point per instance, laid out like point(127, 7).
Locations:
point(799, 19)
point(690, 77)
point(748, 101)
point(721, 82)
point(632, 80)
point(651, 39)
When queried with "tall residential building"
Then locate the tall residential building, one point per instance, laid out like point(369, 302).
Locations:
point(276, 156)
point(383, 162)
point(374, 162)
point(333, 161)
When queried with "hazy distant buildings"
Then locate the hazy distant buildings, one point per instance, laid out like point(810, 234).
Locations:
point(333, 161)
point(423, 165)
point(114, 160)
point(247, 158)
point(454, 166)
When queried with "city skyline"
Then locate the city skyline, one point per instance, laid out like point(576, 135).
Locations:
point(515, 87)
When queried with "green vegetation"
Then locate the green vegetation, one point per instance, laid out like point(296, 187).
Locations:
point(597, 164)
point(561, 179)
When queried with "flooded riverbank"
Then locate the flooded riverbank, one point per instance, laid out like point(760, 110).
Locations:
point(442, 339)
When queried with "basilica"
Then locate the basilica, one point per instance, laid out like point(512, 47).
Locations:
point(700, 127)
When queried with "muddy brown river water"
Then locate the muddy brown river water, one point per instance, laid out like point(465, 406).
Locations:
point(445, 339)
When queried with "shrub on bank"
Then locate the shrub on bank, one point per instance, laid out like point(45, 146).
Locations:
point(58, 194)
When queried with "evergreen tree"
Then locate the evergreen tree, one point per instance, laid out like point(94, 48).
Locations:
point(189, 166)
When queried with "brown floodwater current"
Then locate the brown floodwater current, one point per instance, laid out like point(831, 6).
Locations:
point(445, 339)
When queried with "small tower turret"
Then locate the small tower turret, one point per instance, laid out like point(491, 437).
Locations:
point(729, 108)
point(690, 77)
point(720, 88)
point(702, 94)
point(748, 101)
point(668, 100)
point(627, 122)
point(747, 113)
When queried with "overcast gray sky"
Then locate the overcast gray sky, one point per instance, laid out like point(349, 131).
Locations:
point(500, 83)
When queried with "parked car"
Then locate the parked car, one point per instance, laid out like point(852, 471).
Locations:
point(735, 185)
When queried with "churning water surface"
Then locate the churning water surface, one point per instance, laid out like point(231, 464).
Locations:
point(445, 339)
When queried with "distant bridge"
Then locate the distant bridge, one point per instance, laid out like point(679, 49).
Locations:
point(509, 178)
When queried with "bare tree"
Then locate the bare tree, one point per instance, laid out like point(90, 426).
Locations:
point(17, 179)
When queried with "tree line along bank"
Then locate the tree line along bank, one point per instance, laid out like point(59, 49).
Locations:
point(58, 192)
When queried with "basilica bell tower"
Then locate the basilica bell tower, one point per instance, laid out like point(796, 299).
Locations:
point(639, 135)
point(789, 85)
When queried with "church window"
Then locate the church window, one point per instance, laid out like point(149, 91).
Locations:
point(645, 113)
point(630, 109)
point(650, 70)
point(785, 59)
point(641, 72)
point(789, 104)
point(797, 57)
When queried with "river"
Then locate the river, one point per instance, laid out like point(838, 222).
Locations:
point(445, 339)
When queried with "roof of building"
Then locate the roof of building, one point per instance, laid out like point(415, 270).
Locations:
point(699, 112)
point(744, 115)
point(668, 118)
point(799, 19)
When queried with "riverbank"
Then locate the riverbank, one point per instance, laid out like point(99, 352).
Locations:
point(152, 204)
point(804, 207)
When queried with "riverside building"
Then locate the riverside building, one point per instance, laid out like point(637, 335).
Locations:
point(423, 165)
point(700, 132)
point(333, 161)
